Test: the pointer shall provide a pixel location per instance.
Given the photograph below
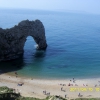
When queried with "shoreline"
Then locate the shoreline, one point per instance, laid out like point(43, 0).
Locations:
point(88, 88)
point(53, 78)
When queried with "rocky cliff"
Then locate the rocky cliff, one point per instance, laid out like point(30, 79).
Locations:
point(12, 40)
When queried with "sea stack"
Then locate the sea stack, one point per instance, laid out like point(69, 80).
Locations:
point(12, 40)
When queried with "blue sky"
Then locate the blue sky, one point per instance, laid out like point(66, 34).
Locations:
point(91, 6)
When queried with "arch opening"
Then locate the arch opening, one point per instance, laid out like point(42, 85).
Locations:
point(29, 47)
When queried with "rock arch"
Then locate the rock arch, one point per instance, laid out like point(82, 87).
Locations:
point(12, 40)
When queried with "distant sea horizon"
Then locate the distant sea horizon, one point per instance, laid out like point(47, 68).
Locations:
point(73, 40)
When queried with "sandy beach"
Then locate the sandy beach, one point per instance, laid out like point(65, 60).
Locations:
point(40, 88)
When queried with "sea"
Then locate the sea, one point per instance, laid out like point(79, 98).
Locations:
point(73, 40)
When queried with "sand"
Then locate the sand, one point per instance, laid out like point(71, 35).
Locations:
point(35, 87)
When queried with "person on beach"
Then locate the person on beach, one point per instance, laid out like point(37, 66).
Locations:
point(44, 92)
point(65, 95)
point(73, 81)
point(61, 88)
point(79, 94)
point(16, 73)
point(83, 85)
point(69, 84)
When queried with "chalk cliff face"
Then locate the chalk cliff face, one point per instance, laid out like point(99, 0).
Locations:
point(12, 40)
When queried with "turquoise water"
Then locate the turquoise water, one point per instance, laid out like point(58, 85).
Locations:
point(73, 45)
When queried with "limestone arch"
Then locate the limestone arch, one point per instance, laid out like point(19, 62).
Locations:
point(12, 40)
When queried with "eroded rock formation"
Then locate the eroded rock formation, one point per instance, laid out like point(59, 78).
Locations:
point(12, 40)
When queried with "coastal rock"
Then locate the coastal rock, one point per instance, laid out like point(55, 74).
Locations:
point(12, 40)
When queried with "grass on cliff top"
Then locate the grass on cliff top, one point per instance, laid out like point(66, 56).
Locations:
point(28, 98)
point(55, 98)
point(5, 89)
point(86, 99)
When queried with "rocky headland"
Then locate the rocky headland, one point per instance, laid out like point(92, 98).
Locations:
point(12, 40)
